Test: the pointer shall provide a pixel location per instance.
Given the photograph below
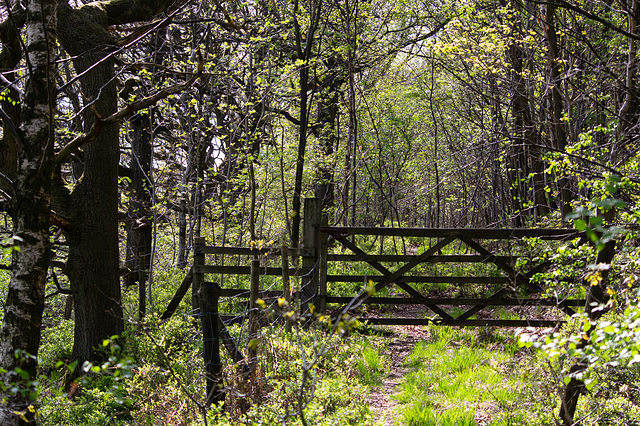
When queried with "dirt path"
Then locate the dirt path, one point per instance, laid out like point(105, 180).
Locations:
point(401, 346)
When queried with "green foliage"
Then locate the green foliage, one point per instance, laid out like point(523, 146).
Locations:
point(422, 413)
point(371, 366)
point(612, 342)
point(7, 246)
point(18, 381)
point(94, 407)
point(56, 345)
point(591, 221)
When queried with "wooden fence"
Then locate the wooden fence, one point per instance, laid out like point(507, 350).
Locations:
point(396, 272)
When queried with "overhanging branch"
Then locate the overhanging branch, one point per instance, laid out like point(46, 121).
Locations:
point(594, 17)
point(146, 102)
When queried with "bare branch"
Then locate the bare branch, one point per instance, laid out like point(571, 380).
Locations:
point(123, 113)
point(594, 17)
point(131, 41)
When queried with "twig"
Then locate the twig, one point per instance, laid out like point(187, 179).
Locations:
point(100, 123)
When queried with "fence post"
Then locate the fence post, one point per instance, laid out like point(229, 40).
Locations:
point(286, 284)
point(209, 296)
point(254, 313)
point(309, 285)
point(198, 275)
point(322, 266)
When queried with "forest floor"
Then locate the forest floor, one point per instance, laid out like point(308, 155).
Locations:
point(464, 368)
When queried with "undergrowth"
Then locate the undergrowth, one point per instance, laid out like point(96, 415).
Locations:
point(481, 377)
point(156, 379)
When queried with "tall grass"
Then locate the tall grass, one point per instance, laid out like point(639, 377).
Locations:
point(371, 366)
point(454, 378)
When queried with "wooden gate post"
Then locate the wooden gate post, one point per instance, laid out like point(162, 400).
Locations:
point(254, 314)
point(286, 283)
point(309, 284)
point(322, 266)
point(209, 295)
point(198, 275)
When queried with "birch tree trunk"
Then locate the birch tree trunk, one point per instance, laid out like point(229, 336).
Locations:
point(20, 335)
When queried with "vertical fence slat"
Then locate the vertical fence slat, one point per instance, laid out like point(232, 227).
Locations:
point(198, 277)
point(286, 283)
point(253, 312)
point(322, 266)
point(209, 296)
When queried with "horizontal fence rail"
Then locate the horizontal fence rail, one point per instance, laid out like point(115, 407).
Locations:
point(475, 233)
point(323, 246)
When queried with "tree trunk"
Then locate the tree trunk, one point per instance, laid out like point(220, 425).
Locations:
point(9, 58)
point(557, 108)
point(327, 134)
point(596, 295)
point(629, 111)
point(93, 265)
point(139, 227)
point(306, 41)
point(20, 335)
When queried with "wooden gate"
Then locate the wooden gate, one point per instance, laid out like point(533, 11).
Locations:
point(505, 285)
point(514, 287)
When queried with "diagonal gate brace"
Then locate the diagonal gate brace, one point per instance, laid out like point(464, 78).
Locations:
point(391, 277)
point(517, 277)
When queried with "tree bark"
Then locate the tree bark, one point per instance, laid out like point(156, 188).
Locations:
point(93, 265)
point(557, 107)
point(20, 335)
point(629, 111)
point(596, 296)
point(139, 227)
point(327, 133)
point(9, 101)
point(305, 55)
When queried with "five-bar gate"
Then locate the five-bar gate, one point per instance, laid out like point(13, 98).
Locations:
point(403, 275)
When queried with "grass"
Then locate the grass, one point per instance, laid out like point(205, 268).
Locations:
point(422, 413)
point(480, 377)
point(461, 376)
point(371, 366)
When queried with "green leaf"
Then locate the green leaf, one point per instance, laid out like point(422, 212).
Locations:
point(596, 220)
point(24, 375)
point(580, 224)
point(573, 215)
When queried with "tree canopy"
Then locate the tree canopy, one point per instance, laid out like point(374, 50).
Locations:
point(126, 120)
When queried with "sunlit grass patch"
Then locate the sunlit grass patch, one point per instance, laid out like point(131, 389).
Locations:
point(371, 366)
point(455, 378)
